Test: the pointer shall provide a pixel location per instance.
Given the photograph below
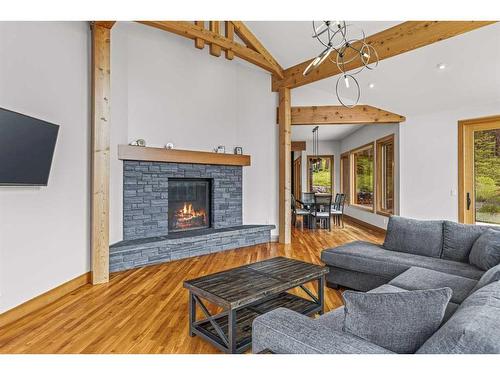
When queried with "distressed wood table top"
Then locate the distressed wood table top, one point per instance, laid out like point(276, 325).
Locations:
point(249, 283)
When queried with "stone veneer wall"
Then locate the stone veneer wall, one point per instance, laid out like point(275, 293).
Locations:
point(145, 195)
point(137, 253)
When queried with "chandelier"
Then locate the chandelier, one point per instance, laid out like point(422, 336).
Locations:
point(346, 47)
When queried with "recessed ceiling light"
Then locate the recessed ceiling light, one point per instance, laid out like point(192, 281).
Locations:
point(371, 85)
point(441, 66)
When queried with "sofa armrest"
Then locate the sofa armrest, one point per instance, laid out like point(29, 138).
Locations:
point(285, 331)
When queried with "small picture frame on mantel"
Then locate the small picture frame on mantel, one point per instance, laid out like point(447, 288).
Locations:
point(238, 150)
point(220, 149)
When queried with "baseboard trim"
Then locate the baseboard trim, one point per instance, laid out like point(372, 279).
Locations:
point(365, 224)
point(43, 300)
point(275, 237)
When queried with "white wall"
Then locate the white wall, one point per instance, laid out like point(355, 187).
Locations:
point(179, 94)
point(429, 162)
point(44, 231)
point(363, 136)
point(163, 90)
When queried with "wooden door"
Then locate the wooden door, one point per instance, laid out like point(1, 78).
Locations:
point(479, 170)
point(297, 178)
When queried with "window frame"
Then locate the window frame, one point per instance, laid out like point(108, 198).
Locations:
point(379, 170)
point(353, 203)
point(345, 155)
point(332, 171)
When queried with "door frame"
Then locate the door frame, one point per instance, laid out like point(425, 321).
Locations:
point(297, 176)
point(466, 129)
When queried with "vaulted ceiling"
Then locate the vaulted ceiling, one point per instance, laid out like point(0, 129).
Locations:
point(409, 83)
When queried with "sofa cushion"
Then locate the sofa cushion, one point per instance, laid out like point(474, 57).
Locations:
point(417, 278)
point(400, 322)
point(286, 331)
point(490, 276)
point(334, 319)
point(474, 328)
point(485, 252)
point(387, 288)
point(420, 237)
point(372, 259)
point(458, 240)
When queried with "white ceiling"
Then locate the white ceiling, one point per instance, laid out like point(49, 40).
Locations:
point(408, 84)
point(291, 42)
point(325, 133)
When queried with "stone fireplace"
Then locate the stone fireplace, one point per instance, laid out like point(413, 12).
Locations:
point(177, 210)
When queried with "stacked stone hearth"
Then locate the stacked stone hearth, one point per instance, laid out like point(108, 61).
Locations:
point(145, 215)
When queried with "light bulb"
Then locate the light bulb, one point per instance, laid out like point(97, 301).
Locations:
point(366, 55)
point(371, 85)
point(441, 66)
point(346, 80)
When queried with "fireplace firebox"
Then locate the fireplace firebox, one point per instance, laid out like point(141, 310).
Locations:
point(189, 204)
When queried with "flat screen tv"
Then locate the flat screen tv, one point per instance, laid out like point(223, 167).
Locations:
point(26, 149)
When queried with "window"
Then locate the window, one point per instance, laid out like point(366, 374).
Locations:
point(363, 177)
point(345, 176)
point(320, 174)
point(385, 175)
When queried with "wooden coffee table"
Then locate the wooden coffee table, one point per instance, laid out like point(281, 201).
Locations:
point(247, 292)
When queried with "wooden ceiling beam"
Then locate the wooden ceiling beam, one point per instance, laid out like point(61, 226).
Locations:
point(299, 146)
point(251, 41)
point(192, 31)
point(215, 49)
point(198, 42)
point(229, 29)
point(340, 115)
point(105, 24)
point(396, 40)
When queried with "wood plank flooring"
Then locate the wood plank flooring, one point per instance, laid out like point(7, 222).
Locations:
point(145, 310)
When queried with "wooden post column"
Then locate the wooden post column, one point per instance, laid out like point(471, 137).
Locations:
point(99, 199)
point(285, 170)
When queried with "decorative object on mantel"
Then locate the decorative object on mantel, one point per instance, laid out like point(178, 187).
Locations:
point(169, 146)
point(238, 150)
point(337, 37)
point(220, 149)
point(139, 142)
point(126, 152)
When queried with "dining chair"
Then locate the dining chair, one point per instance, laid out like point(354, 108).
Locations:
point(298, 211)
point(338, 209)
point(322, 210)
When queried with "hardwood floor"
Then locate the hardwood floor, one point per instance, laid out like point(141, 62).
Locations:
point(145, 310)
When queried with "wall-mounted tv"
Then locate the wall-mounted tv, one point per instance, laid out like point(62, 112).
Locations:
point(26, 149)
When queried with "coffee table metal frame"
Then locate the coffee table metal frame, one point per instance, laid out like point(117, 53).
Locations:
point(221, 329)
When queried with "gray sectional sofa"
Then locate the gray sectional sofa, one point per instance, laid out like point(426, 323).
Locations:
point(416, 255)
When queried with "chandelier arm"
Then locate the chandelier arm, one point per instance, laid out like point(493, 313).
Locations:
point(357, 89)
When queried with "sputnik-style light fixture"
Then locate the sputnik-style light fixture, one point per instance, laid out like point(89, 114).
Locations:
point(344, 45)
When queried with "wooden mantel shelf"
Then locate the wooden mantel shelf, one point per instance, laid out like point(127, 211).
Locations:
point(126, 152)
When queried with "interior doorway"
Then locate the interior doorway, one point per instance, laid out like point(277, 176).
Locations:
point(479, 170)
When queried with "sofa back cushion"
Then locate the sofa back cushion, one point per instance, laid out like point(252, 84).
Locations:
point(490, 276)
point(420, 237)
point(473, 329)
point(400, 322)
point(458, 240)
point(485, 252)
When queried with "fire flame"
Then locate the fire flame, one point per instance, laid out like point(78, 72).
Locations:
point(187, 216)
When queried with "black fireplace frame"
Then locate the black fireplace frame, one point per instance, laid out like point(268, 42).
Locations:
point(209, 204)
